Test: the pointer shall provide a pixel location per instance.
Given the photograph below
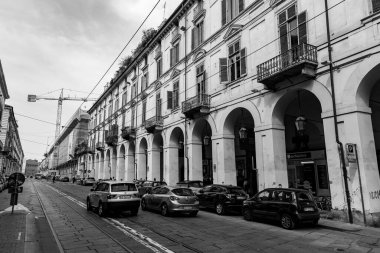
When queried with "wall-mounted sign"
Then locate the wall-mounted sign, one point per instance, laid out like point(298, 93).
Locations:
point(351, 153)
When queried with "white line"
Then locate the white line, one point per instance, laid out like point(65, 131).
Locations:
point(130, 232)
point(19, 236)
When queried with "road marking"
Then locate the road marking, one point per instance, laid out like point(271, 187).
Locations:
point(17, 207)
point(19, 236)
point(128, 231)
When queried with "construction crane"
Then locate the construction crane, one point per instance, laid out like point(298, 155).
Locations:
point(34, 98)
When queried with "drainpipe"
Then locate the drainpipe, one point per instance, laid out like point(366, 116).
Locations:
point(185, 139)
point(341, 154)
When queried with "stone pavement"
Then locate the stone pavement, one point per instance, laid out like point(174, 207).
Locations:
point(27, 229)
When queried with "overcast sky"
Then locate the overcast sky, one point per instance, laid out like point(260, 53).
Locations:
point(46, 45)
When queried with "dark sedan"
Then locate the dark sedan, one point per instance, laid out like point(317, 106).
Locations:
point(171, 200)
point(222, 198)
point(289, 206)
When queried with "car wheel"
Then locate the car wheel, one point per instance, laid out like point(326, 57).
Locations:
point(143, 205)
point(247, 215)
point(164, 210)
point(101, 210)
point(88, 205)
point(134, 212)
point(287, 221)
point(193, 214)
point(219, 208)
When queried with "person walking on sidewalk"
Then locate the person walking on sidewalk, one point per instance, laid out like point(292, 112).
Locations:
point(53, 179)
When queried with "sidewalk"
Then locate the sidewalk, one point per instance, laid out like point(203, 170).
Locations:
point(26, 230)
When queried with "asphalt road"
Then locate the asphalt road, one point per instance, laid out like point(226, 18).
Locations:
point(79, 229)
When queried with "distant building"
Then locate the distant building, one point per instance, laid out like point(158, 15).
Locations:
point(31, 167)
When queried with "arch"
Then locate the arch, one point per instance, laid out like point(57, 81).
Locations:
point(131, 169)
point(157, 161)
point(101, 166)
point(107, 165)
point(96, 166)
point(361, 81)
point(248, 105)
point(175, 169)
point(142, 159)
point(278, 102)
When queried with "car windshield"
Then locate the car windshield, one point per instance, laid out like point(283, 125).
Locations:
point(196, 184)
point(304, 196)
point(122, 187)
point(237, 191)
point(183, 192)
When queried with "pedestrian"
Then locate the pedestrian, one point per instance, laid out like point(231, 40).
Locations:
point(53, 179)
point(245, 185)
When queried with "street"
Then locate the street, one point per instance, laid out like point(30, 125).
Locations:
point(78, 230)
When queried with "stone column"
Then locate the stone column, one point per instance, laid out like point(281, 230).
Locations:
point(195, 160)
point(271, 156)
point(223, 159)
point(171, 166)
point(130, 167)
point(141, 165)
point(154, 164)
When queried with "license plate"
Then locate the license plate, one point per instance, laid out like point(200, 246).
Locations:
point(125, 197)
point(308, 209)
point(241, 197)
point(188, 207)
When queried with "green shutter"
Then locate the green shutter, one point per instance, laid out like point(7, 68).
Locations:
point(243, 64)
point(224, 9)
point(170, 100)
point(223, 70)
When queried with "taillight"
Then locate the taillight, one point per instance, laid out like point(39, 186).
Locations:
point(111, 196)
point(230, 196)
point(173, 198)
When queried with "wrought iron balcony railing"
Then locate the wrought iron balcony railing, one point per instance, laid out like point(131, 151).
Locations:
point(128, 133)
point(301, 59)
point(198, 104)
point(154, 123)
point(99, 146)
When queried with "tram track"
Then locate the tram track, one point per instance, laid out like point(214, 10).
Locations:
point(146, 241)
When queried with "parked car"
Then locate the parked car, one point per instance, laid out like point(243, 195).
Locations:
point(287, 205)
point(194, 185)
point(138, 183)
point(65, 179)
point(222, 198)
point(57, 178)
point(88, 181)
point(2, 184)
point(114, 196)
point(168, 200)
point(147, 186)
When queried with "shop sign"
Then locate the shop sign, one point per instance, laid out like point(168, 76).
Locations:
point(351, 153)
point(295, 156)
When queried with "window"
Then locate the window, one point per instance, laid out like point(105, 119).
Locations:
point(132, 117)
point(197, 35)
point(200, 80)
point(375, 6)
point(133, 92)
point(110, 109)
point(124, 98)
point(170, 99)
point(233, 67)
point(174, 54)
point(117, 104)
point(263, 196)
point(144, 81)
point(159, 67)
point(292, 28)
point(175, 95)
point(230, 9)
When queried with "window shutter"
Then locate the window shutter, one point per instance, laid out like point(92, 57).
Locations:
point(302, 33)
point(283, 38)
point(147, 79)
point(223, 69)
point(243, 59)
point(375, 6)
point(170, 99)
point(193, 32)
point(241, 5)
point(224, 9)
point(171, 57)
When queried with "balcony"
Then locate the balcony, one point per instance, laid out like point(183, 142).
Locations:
point(111, 140)
point(99, 146)
point(199, 104)
point(128, 133)
point(300, 60)
point(198, 12)
point(154, 123)
point(81, 149)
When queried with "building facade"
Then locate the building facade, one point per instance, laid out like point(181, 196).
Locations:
point(3, 96)
point(12, 155)
point(31, 167)
point(62, 157)
point(277, 93)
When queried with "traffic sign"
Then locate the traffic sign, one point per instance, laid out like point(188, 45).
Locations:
point(351, 153)
point(15, 190)
point(16, 176)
